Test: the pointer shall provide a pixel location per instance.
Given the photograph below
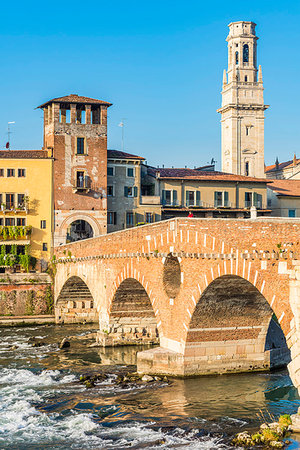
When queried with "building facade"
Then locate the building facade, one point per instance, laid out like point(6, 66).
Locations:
point(26, 198)
point(75, 134)
point(242, 110)
point(284, 198)
point(288, 170)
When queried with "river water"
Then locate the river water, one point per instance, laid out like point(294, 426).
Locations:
point(43, 405)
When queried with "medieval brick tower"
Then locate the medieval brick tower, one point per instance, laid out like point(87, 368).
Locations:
point(243, 105)
point(75, 134)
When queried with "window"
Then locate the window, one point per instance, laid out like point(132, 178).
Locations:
point(45, 247)
point(43, 224)
point(80, 179)
point(246, 78)
point(96, 114)
point(80, 146)
point(236, 57)
point(149, 217)
point(110, 191)
point(129, 218)
point(246, 53)
point(64, 113)
point(110, 171)
point(169, 198)
point(111, 218)
point(21, 173)
point(21, 201)
point(248, 130)
point(253, 199)
point(1, 172)
point(130, 171)
point(9, 222)
point(221, 199)
point(21, 221)
point(192, 198)
point(10, 172)
point(10, 201)
point(292, 213)
point(130, 191)
point(247, 168)
point(80, 114)
point(1, 222)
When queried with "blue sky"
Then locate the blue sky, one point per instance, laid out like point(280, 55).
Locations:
point(160, 63)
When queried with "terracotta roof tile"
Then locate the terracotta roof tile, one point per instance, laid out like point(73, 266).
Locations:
point(122, 155)
point(281, 166)
point(289, 188)
point(23, 154)
point(194, 174)
point(74, 98)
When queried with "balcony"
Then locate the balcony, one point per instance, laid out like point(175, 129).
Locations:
point(258, 204)
point(11, 234)
point(12, 208)
point(82, 184)
point(150, 200)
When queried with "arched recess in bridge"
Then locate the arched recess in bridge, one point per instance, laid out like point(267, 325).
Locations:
point(131, 317)
point(75, 303)
point(233, 328)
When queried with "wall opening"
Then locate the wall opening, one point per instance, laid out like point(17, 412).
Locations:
point(75, 303)
point(78, 230)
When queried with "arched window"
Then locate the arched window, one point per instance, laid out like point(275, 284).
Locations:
point(236, 57)
point(245, 53)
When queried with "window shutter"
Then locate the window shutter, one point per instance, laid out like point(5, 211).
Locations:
point(226, 198)
point(216, 199)
point(174, 197)
point(187, 198)
point(115, 218)
point(135, 190)
point(163, 196)
point(125, 191)
point(197, 198)
point(255, 199)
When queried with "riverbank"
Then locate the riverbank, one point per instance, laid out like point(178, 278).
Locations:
point(44, 405)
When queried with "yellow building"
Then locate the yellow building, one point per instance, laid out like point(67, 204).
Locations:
point(26, 223)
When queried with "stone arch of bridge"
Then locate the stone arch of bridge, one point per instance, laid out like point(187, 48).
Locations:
point(132, 318)
point(229, 327)
point(75, 302)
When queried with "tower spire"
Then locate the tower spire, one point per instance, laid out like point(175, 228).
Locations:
point(243, 105)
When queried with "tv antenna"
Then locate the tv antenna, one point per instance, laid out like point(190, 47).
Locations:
point(122, 125)
point(8, 135)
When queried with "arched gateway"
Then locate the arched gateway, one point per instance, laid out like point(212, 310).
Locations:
point(207, 288)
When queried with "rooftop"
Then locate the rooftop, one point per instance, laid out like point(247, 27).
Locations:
point(74, 98)
point(283, 165)
point(290, 188)
point(116, 154)
point(23, 154)
point(202, 175)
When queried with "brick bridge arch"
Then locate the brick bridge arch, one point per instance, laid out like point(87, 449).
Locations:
point(263, 252)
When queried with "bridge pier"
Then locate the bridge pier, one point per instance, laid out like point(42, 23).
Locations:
point(293, 338)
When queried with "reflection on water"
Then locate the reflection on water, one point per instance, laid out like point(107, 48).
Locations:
point(44, 406)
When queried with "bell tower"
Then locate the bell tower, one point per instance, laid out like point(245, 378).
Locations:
point(242, 111)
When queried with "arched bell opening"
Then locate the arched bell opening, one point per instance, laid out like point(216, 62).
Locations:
point(131, 320)
point(75, 303)
point(232, 330)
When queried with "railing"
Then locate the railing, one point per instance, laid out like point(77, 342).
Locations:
point(258, 204)
point(223, 204)
point(150, 200)
point(11, 207)
point(15, 232)
point(82, 183)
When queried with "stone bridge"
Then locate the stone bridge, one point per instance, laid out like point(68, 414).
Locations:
point(204, 289)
